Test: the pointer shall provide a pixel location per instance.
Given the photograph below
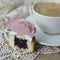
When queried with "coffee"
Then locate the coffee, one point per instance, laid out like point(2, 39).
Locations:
point(48, 9)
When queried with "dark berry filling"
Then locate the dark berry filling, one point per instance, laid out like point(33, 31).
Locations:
point(21, 43)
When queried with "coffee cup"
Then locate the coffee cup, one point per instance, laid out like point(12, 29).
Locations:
point(48, 24)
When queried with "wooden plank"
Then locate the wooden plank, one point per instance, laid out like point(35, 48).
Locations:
point(48, 57)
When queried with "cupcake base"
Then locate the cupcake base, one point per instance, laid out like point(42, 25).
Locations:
point(24, 46)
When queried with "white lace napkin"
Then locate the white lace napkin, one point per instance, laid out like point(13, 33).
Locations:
point(7, 6)
point(9, 54)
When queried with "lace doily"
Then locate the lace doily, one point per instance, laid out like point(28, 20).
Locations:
point(6, 53)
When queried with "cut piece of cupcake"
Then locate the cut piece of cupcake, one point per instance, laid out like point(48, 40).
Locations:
point(22, 35)
point(21, 43)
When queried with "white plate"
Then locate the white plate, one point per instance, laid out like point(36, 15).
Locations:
point(41, 37)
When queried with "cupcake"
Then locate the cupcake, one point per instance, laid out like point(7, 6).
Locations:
point(21, 35)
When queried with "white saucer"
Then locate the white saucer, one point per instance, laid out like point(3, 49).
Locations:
point(43, 38)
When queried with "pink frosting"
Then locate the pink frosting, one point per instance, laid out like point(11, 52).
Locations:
point(22, 26)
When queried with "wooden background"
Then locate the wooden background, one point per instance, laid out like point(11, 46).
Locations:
point(48, 57)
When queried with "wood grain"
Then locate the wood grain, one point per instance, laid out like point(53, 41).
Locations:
point(48, 57)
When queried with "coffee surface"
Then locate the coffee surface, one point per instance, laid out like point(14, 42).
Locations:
point(48, 9)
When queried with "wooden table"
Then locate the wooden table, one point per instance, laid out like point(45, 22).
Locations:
point(48, 56)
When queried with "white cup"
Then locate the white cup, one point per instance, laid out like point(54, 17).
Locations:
point(48, 24)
